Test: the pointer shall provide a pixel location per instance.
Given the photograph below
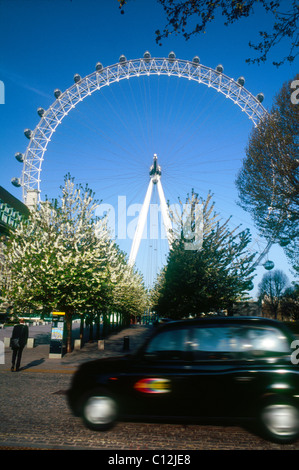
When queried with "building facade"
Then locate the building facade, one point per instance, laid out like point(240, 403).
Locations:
point(11, 211)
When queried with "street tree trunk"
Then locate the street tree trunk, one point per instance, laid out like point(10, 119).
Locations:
point(68, 320)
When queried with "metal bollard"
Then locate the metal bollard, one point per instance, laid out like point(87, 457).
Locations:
point(30, 343)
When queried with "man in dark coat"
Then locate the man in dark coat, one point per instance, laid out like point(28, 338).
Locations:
point(18, 342)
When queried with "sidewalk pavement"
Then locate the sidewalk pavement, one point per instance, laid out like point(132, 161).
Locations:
point(37, 359)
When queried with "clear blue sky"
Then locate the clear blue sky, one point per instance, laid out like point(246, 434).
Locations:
point(109, 140)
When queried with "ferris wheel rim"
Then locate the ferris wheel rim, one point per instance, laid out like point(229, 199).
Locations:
point(65, 101)
point(104, 76)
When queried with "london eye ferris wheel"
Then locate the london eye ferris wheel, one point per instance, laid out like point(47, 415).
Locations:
point(114, 134)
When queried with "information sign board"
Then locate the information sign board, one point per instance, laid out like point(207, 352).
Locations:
point(57, 335)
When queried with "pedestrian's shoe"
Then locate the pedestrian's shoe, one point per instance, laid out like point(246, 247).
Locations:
point(12, 368)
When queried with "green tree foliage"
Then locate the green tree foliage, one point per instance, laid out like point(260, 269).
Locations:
point(268, 182)
point(272, 288)
point(62, 258)
point(289, 305)
point(129, 293)
point(212, 274)
point(192, 17)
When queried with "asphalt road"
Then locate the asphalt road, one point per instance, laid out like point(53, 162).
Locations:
point(34, 413)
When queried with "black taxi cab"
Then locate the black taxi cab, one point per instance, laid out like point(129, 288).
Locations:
point(220, 367)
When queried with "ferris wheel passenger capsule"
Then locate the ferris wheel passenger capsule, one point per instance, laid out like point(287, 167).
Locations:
point(260, 97)
point(28, 133)
point(20, 157)
point(77, 78)
point(99, 67)
point(171, 56)
point(220, 68)
point(122, 59)
point(147, 56)
point(269, 265)
point(241, 81)
point(57, 93)
point(250, 286)
point(196, 60)
point(16, 182)
point(40, 112)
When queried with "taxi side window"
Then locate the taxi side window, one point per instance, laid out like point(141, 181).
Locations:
point(233, 342)
point(265, 342)
point(214, 343)
point(169, 345)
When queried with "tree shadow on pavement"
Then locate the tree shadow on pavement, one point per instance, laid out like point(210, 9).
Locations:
point(33, 364)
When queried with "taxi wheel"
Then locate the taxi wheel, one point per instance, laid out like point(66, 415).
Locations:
point(279, 421)
point(99, 410)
